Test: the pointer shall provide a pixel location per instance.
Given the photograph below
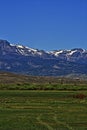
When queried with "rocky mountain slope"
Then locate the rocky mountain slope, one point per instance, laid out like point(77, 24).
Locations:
point(25, 60)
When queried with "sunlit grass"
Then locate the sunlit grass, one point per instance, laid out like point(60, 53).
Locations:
point(42, 110)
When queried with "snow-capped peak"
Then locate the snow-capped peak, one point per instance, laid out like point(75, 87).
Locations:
point(27, 51)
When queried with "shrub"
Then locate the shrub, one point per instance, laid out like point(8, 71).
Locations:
point(79, 96)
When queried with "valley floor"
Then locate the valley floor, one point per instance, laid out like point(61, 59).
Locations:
point(43, 110)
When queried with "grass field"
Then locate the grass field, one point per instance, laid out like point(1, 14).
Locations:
point(43, 110)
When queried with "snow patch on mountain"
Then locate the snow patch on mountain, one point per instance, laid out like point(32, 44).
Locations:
point(58, 52)
point(71, 52)
point(12, 44)
point(19, 46)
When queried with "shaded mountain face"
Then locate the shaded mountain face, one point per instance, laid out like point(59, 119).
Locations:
point(25, 60)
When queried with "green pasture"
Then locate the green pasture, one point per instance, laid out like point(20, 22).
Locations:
point(43, 110)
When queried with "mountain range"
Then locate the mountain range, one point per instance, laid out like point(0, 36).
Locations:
point(21, 59)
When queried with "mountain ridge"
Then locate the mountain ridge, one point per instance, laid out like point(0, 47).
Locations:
point(55, 53)
point(22, 59)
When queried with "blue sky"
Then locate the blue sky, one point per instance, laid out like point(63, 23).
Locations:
point(44, 24)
